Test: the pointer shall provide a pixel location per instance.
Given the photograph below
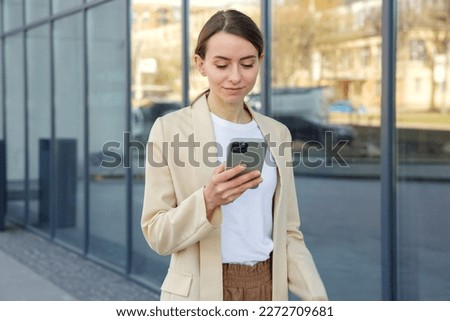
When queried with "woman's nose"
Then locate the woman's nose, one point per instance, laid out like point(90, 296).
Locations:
point(235, 75)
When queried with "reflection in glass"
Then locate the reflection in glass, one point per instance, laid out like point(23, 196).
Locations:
point(62, 5)
point(36, 9)
point(12, 14)
point(156, 52)
point(156, 90)
point(39, 121)
point(68, 151)
point(326, 66)
point(2, 111)
point(15, 127)
point(107, 114)
point(423, 131)
point(2, 146)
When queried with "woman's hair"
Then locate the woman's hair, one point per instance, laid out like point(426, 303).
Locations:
point(233, 22)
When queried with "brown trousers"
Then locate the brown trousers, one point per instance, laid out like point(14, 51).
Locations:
point(247, 283)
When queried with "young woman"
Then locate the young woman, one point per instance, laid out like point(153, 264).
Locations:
point(231, 237)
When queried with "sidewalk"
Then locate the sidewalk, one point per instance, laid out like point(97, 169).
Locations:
point(32, 268)
point(18, 282)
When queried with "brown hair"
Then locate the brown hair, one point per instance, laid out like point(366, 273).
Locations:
point(233, 22)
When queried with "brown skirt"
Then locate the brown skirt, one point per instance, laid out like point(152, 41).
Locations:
point(247, 282)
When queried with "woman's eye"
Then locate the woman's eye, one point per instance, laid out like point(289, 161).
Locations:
point(248, 66)
point(221, 66)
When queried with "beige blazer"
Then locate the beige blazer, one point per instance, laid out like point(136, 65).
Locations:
point(174, 217)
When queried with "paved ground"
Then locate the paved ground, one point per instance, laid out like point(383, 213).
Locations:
point(32, 268)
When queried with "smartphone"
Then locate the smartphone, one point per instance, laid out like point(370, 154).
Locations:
point(250, 152)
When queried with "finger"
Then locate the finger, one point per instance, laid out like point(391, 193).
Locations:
point(234, 193)
point(250, 183)
point(232, 172)
point(242, 179)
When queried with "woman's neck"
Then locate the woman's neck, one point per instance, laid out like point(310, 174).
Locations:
point(236, 113)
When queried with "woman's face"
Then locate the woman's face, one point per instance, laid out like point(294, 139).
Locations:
point(231, 64)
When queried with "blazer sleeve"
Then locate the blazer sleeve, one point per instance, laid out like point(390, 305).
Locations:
point(170, 225)
point(303, 276)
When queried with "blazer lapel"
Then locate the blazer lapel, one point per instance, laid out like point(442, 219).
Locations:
point(210, 248)
point(204, 138)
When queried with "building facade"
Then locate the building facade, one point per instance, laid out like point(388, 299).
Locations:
point(76, 75)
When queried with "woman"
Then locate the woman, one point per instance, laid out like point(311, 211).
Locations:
point(231, 237)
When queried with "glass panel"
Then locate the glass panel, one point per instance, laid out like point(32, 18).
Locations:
point(2, 110)
point(62, 5)
point(12, 14)
point(36, 9)
point(156, 79)
point(325, 77)
point(108, 106)
point(423, 131)
point(2, 143)
point(198, 16)
point(68, 150)
point(15, 127)
point(156, 63)
point(39, 124)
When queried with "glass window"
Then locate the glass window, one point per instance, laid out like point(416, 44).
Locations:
point(2, 110)
point(329, 102)
point(423, 132)
point(39, 125)
point(15, 127)
point(12, 14)
point(199, 14)
point(418, 51)
point(36, 9)
point(2, 141)
point(62, 5)
point(156, 81)
point(68, 149)
point(365, 56)
point(156, 52)
point(108, 107)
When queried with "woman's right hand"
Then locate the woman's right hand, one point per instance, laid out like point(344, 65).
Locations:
point(225, 186)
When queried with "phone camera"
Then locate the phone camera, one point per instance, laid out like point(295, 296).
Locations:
point(239, 147)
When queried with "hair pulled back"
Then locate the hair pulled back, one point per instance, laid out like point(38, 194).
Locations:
point(233, 22)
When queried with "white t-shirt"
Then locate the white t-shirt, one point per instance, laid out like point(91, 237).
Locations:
point(247, 222)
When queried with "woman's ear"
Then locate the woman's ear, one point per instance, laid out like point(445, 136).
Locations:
point(200, 64)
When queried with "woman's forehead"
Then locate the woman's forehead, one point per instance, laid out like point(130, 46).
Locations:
point(226, 45)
